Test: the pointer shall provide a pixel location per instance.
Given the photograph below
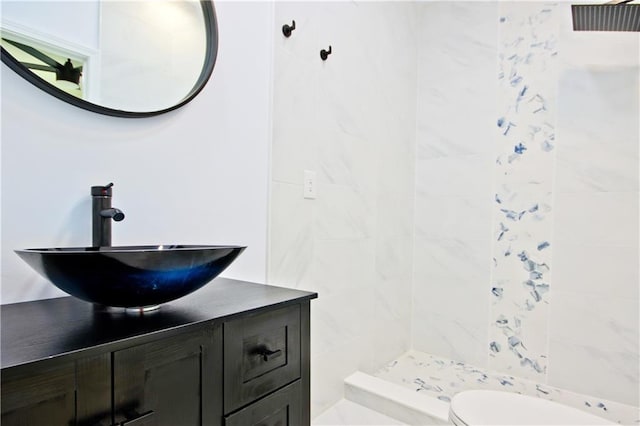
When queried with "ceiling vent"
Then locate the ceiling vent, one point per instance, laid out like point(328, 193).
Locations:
point(613, 16)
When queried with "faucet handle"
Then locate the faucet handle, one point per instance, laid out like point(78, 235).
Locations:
point(102, 191)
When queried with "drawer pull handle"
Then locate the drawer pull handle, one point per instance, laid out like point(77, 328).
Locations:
point(268, 355)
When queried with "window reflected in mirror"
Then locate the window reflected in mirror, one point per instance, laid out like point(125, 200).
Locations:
point(54, 67)
point(116, 57)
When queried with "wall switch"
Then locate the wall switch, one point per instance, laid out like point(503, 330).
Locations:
point(309, 186)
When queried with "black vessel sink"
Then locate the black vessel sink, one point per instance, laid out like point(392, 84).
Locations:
point(130, 276)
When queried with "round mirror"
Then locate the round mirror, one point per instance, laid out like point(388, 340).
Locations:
point(134, 58)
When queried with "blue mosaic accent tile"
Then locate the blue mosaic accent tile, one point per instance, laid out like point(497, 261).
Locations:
point(527, 56)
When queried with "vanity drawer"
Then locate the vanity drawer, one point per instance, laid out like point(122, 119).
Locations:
point(261, 354)
point(282, 408)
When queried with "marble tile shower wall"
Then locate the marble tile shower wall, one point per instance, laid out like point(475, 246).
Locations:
point(454, 164)
point(352, 120)
point(493, 220)
point(526, 217)
point(594, 321)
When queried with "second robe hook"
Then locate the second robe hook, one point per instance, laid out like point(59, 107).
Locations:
point(286, 29)
point(324, 54)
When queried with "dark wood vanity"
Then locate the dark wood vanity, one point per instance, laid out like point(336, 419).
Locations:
point(233, 353)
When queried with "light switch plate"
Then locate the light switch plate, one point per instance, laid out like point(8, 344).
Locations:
point(309, 185)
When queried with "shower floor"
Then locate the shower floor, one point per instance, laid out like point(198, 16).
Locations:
point(440, 378)
point(416, 388)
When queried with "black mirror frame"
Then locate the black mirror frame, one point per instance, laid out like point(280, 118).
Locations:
point(211, 30)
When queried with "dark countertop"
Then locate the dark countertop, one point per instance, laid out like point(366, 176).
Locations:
point(68, 327)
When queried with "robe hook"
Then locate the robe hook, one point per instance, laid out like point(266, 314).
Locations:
point(324, 54)
point(286, 29)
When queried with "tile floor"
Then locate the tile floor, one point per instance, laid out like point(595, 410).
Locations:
point(347, 413)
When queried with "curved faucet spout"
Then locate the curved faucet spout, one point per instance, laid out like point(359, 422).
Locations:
point(113, 213)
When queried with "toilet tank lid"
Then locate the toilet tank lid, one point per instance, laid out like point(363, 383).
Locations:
point(486, 407)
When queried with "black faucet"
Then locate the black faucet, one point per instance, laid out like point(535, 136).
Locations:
point(102, 215)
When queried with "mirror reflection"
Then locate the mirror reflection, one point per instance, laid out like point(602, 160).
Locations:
point(137, 56)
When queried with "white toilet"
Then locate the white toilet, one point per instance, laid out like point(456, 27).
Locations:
point(486, 407)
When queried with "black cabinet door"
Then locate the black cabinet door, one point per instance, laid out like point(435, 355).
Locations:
point(159, 383)
point(282, 408)
point(39, 396)
point(93, 391)
point(261, 354)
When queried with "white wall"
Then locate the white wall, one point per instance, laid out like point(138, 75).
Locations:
point(195, 175)
point(352, 120)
